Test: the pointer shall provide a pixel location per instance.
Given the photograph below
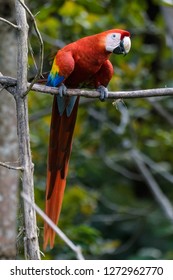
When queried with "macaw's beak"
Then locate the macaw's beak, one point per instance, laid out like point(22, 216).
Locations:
point(120, 49)
point(124, 46)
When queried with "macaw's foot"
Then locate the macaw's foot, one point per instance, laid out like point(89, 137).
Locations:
point(62, 90)
point(103, 92)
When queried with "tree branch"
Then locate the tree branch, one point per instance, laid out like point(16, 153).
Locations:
point(10, 23)
point(31, 246)
point(11, 89)
point(72, 246)
point(41, 56)
point(162, 200)
point(120, 169)
point(128, 94)
point(161, 111)
point(157, 167)
point(10, 166)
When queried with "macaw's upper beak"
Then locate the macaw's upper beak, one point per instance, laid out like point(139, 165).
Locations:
point(124, 46)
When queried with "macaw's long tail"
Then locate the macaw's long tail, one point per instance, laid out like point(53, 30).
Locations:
point(61, 132)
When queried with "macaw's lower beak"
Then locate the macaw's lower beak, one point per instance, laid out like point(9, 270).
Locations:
point(120, 49)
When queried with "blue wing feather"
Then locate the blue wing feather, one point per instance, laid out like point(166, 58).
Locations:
point(54, 80)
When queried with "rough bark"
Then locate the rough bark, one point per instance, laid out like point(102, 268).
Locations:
point(31, 246)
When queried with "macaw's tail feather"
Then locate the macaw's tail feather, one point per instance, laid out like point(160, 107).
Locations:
point(61, 132)
point(53, 208)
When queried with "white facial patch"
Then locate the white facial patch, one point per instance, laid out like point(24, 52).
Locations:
point(112, 41)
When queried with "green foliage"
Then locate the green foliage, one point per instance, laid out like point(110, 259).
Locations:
point(108, 209)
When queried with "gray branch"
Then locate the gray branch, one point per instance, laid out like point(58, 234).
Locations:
point(41, 55)
point(9, 166)
point(161, 111)
point(10, 82)
point(31, 246)
point(160, 197)
point(9, 23)
point(76, 249)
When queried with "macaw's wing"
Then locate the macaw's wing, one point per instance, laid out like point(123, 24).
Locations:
point(62, 67)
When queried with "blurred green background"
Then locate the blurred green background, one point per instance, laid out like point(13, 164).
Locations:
point(108, 209)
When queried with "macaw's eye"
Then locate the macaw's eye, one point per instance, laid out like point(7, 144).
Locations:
point(113, 36)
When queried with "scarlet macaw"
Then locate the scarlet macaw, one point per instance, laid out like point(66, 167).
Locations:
point(84, 63)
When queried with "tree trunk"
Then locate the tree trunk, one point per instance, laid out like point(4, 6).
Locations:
point(8, 136)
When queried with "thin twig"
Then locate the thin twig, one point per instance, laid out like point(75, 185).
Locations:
point(1, 87)
point(160, 197)
point(157, 167)
point(41, 55)
point(53, 42)
point(120, 169)
point(10, 23)
point(103, 118)
point(161, 111)
point(75, 248)
point(9, 166)
point(32, 55)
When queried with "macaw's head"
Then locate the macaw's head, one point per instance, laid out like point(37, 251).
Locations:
point(117, 41)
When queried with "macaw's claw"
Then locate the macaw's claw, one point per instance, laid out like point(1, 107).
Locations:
point(62, 90)
point(103, 92)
